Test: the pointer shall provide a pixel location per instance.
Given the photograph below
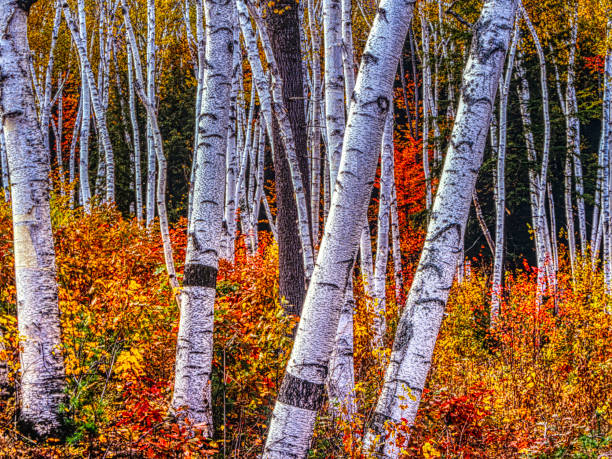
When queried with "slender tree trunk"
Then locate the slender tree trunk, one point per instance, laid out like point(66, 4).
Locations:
point(41, 360)
point(231, 158)
point(302, 390)
point(150, 92)
point(607, 136)
point(136, 139)
point(382, 243)
point(341, 380)
point(315, 146)
point(426, 110)
point(192, 391)
point(396, 244)
point(4, 167)
point(482, 223)
point(45, 115)
point(85, 189)
point(500, 195)
point(573, 132)
point(418, 327)
point(334, 84)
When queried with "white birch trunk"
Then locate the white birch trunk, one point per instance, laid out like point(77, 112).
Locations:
point(382, 242)
point(135, 139)
point(573, 132)
point(46, 106)
point(426, 111)
point(41, 361)
point(341, 380)
point(418, 327)
point(4, 167)
point(192, 395)
point(84, 186)
point(315, 145)
point(334, 85)
point(543, 176)
point(302, 390)
point(150, 92)
point(231, 158)
point(396, 244)
point(500, 195)
point(72, 154)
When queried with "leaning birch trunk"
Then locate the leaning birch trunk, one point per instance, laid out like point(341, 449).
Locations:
point(302, 391)
point(382, 243)
point(500, 195)
point(41, 360)
point(418, 327)
point(348, 65)
point(341, 380)
point(192, 391)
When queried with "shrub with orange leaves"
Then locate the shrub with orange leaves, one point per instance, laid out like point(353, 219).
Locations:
point(119, 324)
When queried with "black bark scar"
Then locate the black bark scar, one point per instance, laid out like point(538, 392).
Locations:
point(197, 275)
point(300, 393)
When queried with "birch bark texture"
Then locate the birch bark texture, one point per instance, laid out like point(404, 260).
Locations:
point(303, 390)
point(41, 361)
point(419, 325)
point(192, 392)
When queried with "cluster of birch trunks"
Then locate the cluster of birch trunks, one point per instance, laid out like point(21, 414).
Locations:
point(329, 144)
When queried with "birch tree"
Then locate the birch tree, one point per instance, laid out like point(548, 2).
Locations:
point(302, 391)
point(41, 361)
point(4, 167)
point(418, 327)
point(382, 244)
point(192, 395)
point(500, 195)
point(150, 92)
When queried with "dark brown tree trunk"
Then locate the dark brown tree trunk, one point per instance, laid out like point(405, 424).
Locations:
point(284, 33)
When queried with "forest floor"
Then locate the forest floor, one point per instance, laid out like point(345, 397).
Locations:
point(538, 385)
